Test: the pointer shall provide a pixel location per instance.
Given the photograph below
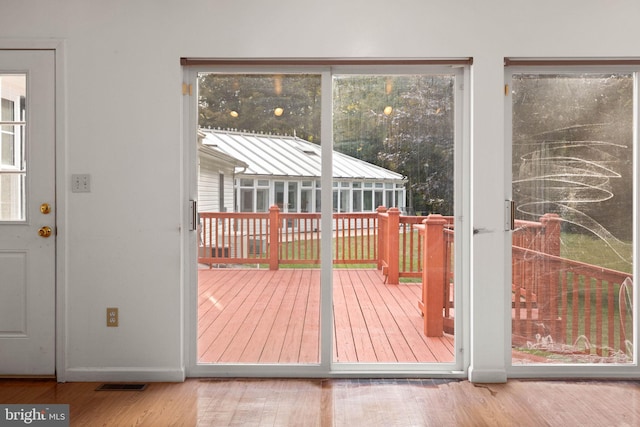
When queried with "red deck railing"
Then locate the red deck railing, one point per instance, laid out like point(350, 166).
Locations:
point(563, 301)
point(570, 302)
point(554, 297)
point(277, 239)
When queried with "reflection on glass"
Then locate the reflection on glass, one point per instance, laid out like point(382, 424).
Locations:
point(12, 147)
point(393, 139)
point(403, 124)
point(572, 247)
point(414, 137)
point(258, 281)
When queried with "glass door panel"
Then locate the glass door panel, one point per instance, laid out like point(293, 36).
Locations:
point(573, 188)
point(258, 277)
point(265, 296)
point(400, 132)
point(12, 147)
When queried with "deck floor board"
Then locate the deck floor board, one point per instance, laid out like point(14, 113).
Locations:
point(386, 336)
point(262, 316)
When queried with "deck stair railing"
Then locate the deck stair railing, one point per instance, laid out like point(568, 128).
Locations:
point(401, 248)
point(570, 302)
point(575, 304)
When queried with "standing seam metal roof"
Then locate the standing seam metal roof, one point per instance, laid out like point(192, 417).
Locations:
point(275, 155)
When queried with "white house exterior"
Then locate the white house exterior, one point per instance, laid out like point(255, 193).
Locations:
point(285, 171)
point(216, 171)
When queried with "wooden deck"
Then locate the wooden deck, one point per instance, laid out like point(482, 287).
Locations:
point(262, 316)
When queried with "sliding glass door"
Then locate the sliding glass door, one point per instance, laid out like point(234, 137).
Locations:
point(404, 125)
point(574, 138)
point(258, 281)
point(327, 227)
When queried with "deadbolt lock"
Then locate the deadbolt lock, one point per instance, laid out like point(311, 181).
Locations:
point(45, 208)
point(44, 231)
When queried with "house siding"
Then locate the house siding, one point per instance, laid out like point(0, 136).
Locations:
point(209, 185)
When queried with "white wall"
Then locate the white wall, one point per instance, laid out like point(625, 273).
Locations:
point(123, 126)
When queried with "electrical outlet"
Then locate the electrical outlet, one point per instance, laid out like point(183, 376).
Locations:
point(112, 317)
point(81, 183)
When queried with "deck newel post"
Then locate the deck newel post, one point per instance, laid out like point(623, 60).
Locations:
point(274, 246)
point(551, 224)
point(433, 275)
point(393, 248)
point(381, 235)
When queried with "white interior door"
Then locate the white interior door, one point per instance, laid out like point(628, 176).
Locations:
point(27, 213)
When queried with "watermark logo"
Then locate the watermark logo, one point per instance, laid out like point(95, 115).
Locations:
point(34, 415)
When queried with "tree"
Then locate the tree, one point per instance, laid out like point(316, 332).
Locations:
point(248, 102)
point(573, 149)
point(403, 123)
point(415, 137)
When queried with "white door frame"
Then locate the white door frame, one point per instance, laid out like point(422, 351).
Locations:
point(575, 370)
point(58, 47)
point(327, 367)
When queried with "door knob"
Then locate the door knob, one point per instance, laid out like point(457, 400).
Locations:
point(44, 231)
point(45, 208)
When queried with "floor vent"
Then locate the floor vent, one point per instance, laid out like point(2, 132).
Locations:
point(121, 387)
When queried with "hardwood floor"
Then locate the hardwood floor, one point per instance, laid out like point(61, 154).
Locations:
point(262, 316)
point(348, 403)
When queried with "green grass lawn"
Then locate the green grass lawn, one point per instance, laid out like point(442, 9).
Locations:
point(591, 250)
point(351, 247)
